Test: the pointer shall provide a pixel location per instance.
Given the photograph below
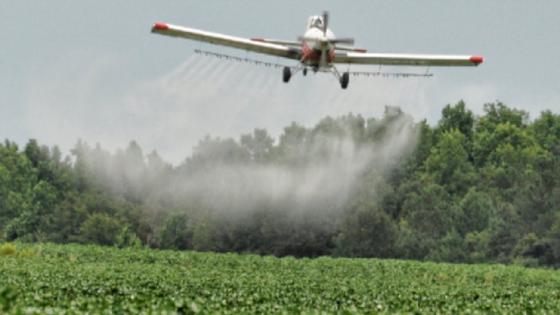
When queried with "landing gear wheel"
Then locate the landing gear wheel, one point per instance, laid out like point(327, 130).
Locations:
point(304, 71)
point(286, 74)
point(344, 80)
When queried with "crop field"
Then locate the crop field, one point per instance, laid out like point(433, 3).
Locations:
point(76, 279)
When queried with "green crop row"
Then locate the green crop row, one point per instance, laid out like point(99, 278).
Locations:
point(76, 279)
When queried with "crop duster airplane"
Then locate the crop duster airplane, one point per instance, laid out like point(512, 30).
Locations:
point(318, 49)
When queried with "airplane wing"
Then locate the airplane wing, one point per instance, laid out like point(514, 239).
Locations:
point(277, 41)
point(406, 59)
point(227, 40)
point(350, 48)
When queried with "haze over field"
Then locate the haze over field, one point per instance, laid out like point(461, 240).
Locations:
point(319, 172)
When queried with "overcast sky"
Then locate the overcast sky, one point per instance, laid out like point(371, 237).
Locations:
point(92, 69)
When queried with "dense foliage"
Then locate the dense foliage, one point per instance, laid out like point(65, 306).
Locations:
point(470, 189)
point(78, 279)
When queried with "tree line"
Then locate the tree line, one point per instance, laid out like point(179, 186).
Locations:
point(470, 189)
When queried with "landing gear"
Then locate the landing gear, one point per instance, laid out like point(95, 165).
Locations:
point(344, 80)
point(286, 74)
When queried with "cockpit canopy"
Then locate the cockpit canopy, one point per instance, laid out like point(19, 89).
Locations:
point(315, 21)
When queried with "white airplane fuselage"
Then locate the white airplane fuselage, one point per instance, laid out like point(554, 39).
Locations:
point(318, 49)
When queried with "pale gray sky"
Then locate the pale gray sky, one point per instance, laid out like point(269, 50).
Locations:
point(92, 69)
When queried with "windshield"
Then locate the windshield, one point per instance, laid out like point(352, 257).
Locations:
point(317, 22)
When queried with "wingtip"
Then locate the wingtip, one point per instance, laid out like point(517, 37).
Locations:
point(159, 26)
point(477, 60)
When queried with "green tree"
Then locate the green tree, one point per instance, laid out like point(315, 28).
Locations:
point(553, 240)
point(20, 188)
point(449, 165)
point(504, 233)
point(100, 228)
point(450, 248)
point(477, 246)
point(367, 232)
point(457, 117)
point(546, 130)
point(428, 215)
point(212, 151)
point(498, 113)
point(476, 210)
point(127, 238)
point(259, 145)
point(176, 233)
point(293, 144)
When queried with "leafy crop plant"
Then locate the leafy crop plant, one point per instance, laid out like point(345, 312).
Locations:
point(78, 279)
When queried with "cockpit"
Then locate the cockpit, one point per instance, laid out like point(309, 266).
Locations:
point(315, 21)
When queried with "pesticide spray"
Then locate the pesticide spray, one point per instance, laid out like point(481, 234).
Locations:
point(204, 96)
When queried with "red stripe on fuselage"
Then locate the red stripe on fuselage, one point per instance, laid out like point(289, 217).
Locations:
point(309, 54)
point(331, 55)
point(313, 56)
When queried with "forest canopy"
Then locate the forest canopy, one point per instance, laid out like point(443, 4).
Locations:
point(468, 189)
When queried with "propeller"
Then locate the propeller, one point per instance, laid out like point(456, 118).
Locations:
point(325, 22)
point(346, 40)
point(325, 26)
